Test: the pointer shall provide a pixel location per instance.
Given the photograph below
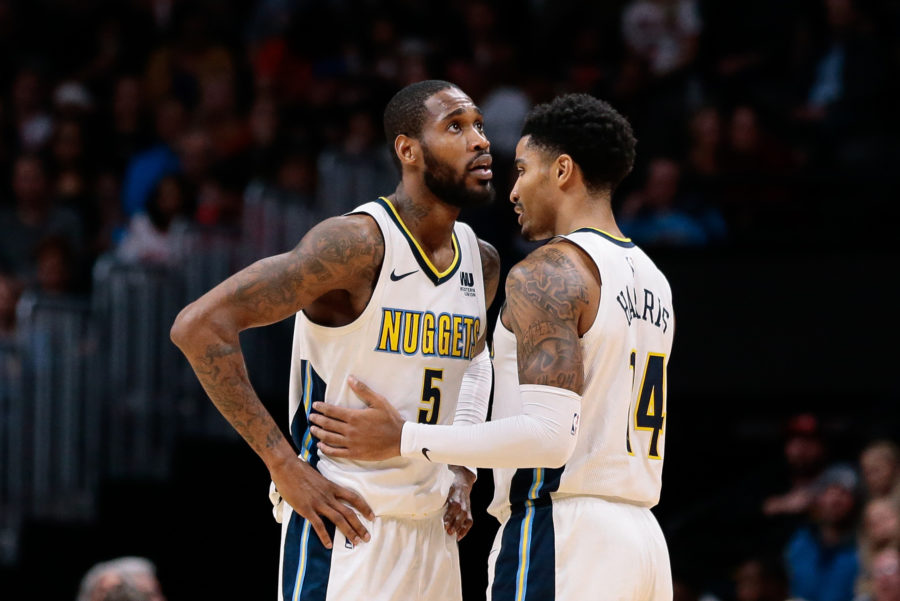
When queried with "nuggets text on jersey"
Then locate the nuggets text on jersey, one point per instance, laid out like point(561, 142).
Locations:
point(444, 335)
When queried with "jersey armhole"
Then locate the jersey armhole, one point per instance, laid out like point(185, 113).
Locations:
point(386, 258)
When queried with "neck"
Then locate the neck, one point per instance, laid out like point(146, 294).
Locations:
point(429, 219)
point(587, 211)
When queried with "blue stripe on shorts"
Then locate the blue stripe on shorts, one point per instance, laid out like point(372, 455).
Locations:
point(307, 562)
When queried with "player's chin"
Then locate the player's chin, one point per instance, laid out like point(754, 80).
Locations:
point(531, 235)
point(478, 184)
point(481, 192)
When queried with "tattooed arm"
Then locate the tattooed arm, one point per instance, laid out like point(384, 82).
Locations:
point(341, 255)
point(549, 297)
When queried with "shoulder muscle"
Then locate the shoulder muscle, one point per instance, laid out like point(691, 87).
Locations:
point(546, 294)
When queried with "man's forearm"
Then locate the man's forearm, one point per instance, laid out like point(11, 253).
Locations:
point(218, 362)
point(544, 435)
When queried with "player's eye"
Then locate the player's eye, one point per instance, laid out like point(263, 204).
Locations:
point(454, 126)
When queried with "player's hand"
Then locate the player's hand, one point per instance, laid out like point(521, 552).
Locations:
point(370, 434)
point(315, 497)
point(458, 508)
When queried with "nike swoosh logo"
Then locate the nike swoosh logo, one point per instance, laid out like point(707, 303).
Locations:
point(397, 278)
point(425, 452)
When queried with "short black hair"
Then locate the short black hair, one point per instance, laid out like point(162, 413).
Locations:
point(405, 112)
point(592, 132)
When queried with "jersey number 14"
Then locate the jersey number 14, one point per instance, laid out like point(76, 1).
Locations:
point(650, 411)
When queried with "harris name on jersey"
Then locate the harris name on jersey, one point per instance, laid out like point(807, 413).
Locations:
point(409, 332)
point(652, 311)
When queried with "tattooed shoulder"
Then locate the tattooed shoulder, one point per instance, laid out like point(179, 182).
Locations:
point(341, 253)
point(545, 295)
point(343, 250)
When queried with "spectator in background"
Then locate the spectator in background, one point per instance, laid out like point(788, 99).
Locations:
point(349, 174)
point(880, 529)
point(146, 168)
point(111, 223)
point(123, 578)
point(71, 160)
point(660, 214)
point(220, 200)
point(760, 579)
point(880, 464)
point(196, 158)
point(177, 68)
point(154, 235)
point(755, 165)
point(822, 556)
point(217, 114)
point(846, 97)
point(805, 456)
point(885, 575)
point(34, 217)
point(58, 272)
point(127, 131)
point(10, 290)
point(31, 117)
point(264, 125)
point(704, 153)
point(662, 33)
point(661, 40)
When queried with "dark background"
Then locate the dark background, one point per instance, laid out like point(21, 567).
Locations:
point(788, 308)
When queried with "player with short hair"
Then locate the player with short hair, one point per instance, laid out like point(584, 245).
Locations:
point(581, 348)
point(397, 291)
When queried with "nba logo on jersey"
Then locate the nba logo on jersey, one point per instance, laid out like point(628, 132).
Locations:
point(467, 283)
point(575, 419)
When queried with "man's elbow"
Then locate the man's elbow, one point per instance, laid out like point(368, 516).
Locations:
point(186, 323)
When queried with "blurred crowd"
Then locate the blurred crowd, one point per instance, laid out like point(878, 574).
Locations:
point(125, 124)
point(825, 527)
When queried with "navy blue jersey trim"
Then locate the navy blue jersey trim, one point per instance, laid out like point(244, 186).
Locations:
point(312, 389)
point(427, 268)
point(623, 242)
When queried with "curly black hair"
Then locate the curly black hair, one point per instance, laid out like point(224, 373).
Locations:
point(405, 112)
point(593, 133)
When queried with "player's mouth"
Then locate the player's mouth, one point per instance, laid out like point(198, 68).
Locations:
point(481, 167)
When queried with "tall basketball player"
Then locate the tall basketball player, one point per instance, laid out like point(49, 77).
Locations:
point(580, 356)
point(397, 292)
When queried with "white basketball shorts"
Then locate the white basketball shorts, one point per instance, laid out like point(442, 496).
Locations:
point(405, 560)
point(579, 549)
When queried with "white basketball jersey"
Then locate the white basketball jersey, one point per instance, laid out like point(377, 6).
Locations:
point(621, 437)
point(411, 344)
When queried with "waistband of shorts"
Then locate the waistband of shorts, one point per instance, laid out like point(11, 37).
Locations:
point(502, 513)
point(411, 516)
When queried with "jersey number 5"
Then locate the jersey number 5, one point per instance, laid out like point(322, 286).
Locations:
point(430, 408)
point(650, 412)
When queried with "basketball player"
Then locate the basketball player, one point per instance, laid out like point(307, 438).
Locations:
point(580, 356)
point(396, 291)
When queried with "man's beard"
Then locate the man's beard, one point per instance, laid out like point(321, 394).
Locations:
point(443, 183)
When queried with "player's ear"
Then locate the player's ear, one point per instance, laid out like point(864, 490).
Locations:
point(564, 170)
point(407, 149)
